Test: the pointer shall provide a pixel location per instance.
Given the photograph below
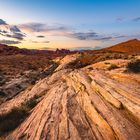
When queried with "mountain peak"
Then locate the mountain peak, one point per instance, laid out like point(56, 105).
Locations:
point(128, 46)
point(134, 40)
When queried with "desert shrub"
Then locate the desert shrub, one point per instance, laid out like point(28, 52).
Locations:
point(31, 103)
point(86, 59)
point(2, 93)
point(112, 66)
point(134, 66)
point(75, 64)
point(12, 119)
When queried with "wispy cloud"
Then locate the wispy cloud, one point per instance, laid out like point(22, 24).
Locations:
point(15, 35)
point(84, 35)
point(120, 19)
point(87, 48)
point(93, 36)
point(40, 36)
point(83, 48)
point(11, 31)
point(15, 29)
point(47, 48)
point(33, 27)
point(2, 22)
point(9, 42)
point(41, 27)
point(46, 42)
point(136, 19)
point(40, 41)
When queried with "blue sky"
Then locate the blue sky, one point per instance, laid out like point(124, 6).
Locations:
point(72, 23)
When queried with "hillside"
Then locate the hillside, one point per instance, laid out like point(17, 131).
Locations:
point(76, 102)
point(131, 46)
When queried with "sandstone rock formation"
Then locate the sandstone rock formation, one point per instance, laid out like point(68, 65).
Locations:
point(81, 104)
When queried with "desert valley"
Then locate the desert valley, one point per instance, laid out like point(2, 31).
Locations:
point(70, 94)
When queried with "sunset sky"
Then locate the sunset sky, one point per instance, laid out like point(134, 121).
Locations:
point(71, 24)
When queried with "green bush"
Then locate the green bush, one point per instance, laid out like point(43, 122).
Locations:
point(134, 66)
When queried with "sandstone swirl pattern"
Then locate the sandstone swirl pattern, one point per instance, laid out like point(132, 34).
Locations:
point(81, 104)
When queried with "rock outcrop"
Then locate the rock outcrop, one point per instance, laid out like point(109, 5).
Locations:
point(81, 104)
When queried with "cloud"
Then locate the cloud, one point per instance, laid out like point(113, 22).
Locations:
point(2, 22)
point(86, 48)
point(84, 36)
point(104, 38)
point(46, 42)
point(47, 48)
point(41, 30)
point(97, 48)
point(120, 36)
point(15, 29)
point(89, 36)
point(136, 19)
point(19, 36)
point(40, 36)
point(82, 48)
point(93, 36)
point(41, 27)
point(3, 32)
point(15, 35)
point(9, 42)
point(11, 31)
point(120, 18)
point(62, 30)
point(34, 27)
point(40, 42)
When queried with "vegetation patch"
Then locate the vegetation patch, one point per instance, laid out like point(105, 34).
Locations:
point(13, 118)
point(134, 66)
point(84, 60)
point(31, 103)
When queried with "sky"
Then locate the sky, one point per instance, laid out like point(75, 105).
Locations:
point(70, 24)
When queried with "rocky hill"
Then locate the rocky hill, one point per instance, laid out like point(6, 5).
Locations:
point(11, 50)
point(100, 101)
point(131, 46)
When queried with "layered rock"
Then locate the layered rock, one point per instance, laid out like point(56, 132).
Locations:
point(90, 103)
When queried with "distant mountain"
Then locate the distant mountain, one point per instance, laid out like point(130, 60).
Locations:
point(7, 50)
point(128, 46)
point(11, 50)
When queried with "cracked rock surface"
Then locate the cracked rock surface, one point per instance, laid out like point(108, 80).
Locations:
point(81, 104)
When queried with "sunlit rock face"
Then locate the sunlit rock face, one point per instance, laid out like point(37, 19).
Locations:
point(82, 104)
